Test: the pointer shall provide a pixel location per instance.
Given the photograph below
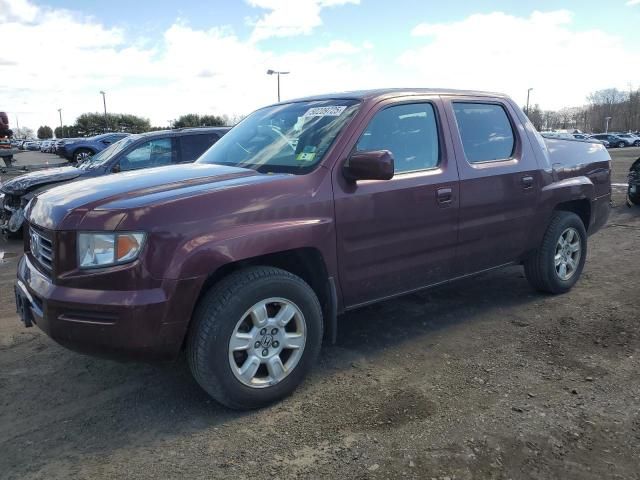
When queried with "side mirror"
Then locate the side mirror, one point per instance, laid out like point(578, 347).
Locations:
point(115, 168)
point(106, 142)
point(371, 165)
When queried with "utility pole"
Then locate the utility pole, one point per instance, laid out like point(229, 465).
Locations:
point(528, 92)
point(17, 126)
point(104, 102)
point(606, 128)
point(275, 72)
point(61, 127)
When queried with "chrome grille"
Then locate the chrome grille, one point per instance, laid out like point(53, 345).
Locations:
point(42, 249)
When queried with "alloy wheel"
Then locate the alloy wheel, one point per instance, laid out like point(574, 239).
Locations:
point(568, 252)
point(267, 343)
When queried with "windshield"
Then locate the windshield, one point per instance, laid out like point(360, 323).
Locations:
point(289, 138)
point(108, 153)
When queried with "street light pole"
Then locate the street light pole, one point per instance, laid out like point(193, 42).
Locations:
point(528, 92)
point(606, 128)
point(104, 102)
point(61, 127)
point(274, 72)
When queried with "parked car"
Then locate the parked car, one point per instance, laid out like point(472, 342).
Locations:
point(304, 210)
point(632, 140)
point(45, 146)
point(134, 152)
point(78, 149)
point(614, 140)
point(57, 146)
point(633, 190)
point(32, 145)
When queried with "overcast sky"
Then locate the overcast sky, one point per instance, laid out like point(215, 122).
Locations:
point(161, 59)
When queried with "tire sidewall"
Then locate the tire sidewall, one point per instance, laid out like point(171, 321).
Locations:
point(80, 151)
point(215, 350)
point(570, 220)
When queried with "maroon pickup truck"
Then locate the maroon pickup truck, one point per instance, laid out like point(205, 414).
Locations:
point(303, 211)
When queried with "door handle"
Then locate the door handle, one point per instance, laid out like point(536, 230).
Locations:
point(444, 196)
point(527, 182)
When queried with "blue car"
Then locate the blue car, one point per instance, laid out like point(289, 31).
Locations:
point(78, 149)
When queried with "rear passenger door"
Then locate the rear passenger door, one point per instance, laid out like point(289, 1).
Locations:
point(398, 235)
point(499, 183)
point(192, 146)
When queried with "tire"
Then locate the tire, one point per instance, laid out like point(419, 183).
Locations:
point(636, 143)
point(541, 269)
point(80, 154)
point(633, 199)
point(622, 145)
point(225, 310)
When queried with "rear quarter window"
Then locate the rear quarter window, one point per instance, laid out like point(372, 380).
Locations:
point(485, 131)
point(192, 146)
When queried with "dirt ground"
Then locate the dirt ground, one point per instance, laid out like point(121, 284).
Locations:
point(480, 379)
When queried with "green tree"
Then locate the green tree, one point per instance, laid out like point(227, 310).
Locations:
point(196, 120)
point(45, 132)
point(89, 124)
point(66, 131)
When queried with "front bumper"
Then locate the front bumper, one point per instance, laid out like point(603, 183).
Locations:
point(140, 324)
point(66, 151)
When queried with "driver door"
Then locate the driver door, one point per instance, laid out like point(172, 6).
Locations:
point(398, 235)
point(153, 153)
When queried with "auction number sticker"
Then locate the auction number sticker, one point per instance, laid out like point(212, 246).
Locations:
point(334, 111)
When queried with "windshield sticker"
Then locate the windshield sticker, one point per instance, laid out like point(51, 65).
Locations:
point(308, 154)
point(334, 111)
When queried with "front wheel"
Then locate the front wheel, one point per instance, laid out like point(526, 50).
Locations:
point(81, 155)
point(622, 145)
point(556, 265)
point(254, 337)
point(633, 196)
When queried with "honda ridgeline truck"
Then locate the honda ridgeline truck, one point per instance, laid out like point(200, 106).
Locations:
point(305, 210)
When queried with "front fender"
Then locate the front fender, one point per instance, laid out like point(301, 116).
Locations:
point(206, 253)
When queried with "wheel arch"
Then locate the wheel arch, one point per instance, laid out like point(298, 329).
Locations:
point(304, 262)
point(581, 207)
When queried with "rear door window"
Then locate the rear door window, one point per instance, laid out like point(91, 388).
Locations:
point(192, 146)
point(485, 131)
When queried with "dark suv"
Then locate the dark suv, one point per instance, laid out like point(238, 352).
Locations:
point(134, 152)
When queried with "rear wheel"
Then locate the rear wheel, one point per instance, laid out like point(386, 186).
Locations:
point(636, 143)
point(254, 337)
point(556, 265)
point(622, 145)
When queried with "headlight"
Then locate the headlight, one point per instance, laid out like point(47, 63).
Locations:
point(106, 249)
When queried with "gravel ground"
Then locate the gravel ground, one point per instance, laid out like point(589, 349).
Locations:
point(481, 379)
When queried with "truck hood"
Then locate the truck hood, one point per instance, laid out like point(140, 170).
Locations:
point(22, 184)
point(130, 190)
